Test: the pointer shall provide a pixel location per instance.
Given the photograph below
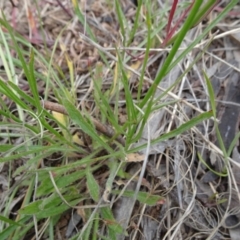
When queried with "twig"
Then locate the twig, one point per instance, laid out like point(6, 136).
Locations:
point(13, 4)
point(64, 9)
point(105, 130)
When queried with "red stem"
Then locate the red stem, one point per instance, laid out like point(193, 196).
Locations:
point(173, 30)
point(174, 6)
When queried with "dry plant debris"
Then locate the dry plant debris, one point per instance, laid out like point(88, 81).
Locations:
point(193, 184)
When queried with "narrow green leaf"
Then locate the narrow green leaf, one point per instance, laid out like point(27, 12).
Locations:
point(114, 166)
point(95, 227)
point(6, 147)
point(203, 10)
point(146, 53)
point(212, 24)
point(21, 93)
point(172, 53)
point(43, 208)
point(4, 88)
point(201, 13)
point(43, 150)
point(184, 127)
point(62, 181)
point(9, 221)
point(16, 47)
point(214, 109)
point(206, 165)
point(88, 233)
point(142, 197)
point(122, 20)
point(56, 210)
point(10, 230)
point(211, 95)
point(92, 186)
point(131, 110)
point(112, 224)
point(82, 19)
point(220, 141)
point(77, 117)
point(106, 110)
point(136, 23)
point(32, 82)
point(233, 144)
point(32, 208)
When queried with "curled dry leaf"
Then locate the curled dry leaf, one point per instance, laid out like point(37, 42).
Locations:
point(135, 157)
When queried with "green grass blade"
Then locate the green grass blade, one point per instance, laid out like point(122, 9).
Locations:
point(106, 109)
point(200, 14)
point(7, 232)
point(82, 19)
point(146, 54)
point(136, 23)
point(233, 144)
point(142, 197)
point(214, 110)
point(131, 109)
point(92, 185)
point(212, 24)
point(206, 165)
point(183, 128)
point(9, 221)
point(211, 95)
point(113, 225)
point(11, 94)
point(172, 53)
point(122, 20)
point(33, 83)
point(77, 117)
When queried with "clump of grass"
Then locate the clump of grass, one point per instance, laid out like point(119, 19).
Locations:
point(73, 157)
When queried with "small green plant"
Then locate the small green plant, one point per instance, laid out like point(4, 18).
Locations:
point(57, 171)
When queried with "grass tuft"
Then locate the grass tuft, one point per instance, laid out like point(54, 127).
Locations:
point(91, 126)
